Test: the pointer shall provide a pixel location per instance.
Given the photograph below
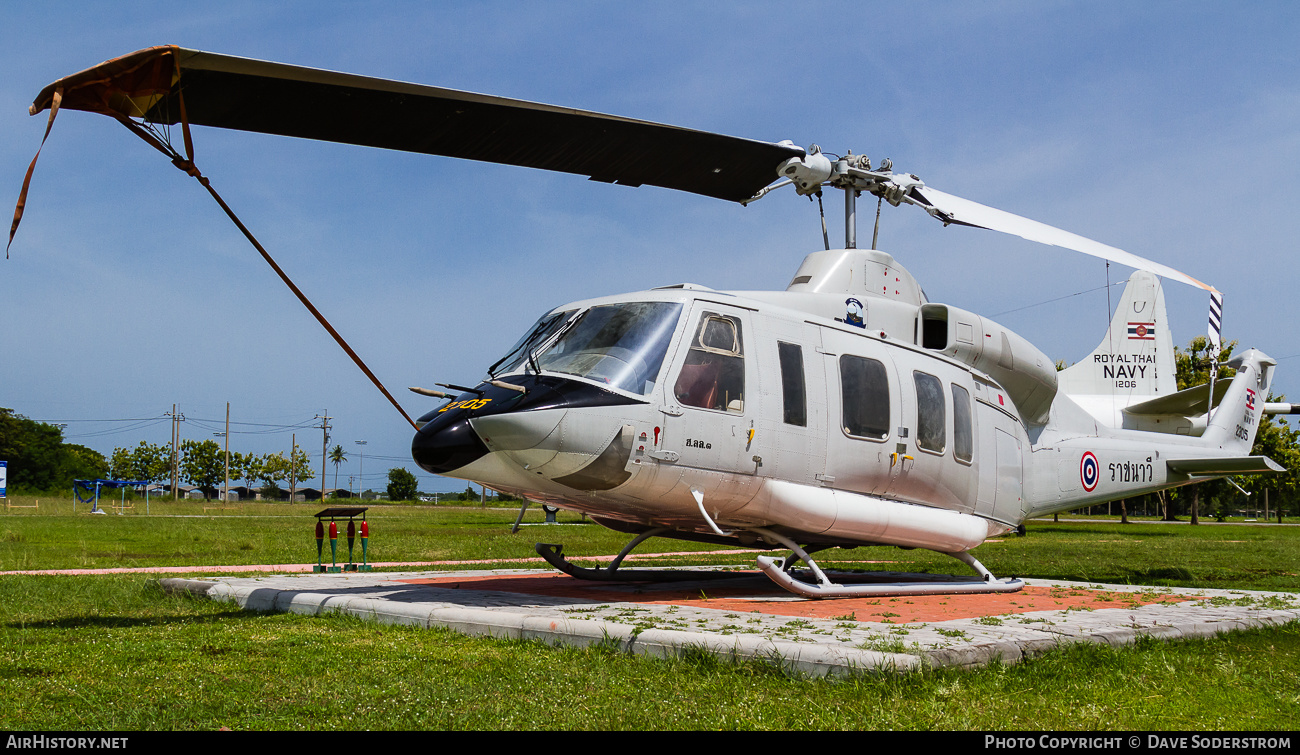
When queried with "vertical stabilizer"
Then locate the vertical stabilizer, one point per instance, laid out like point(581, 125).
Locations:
point(1135, 360)
point(1235, 422)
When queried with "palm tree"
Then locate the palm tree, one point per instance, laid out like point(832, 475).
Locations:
point(337, 456)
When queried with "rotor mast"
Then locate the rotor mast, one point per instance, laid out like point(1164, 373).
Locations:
point(852, 174)
point(850, 218)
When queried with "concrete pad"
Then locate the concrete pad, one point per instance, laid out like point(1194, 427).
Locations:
point(753, 619)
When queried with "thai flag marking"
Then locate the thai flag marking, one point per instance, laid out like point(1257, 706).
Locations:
point(1142, 331)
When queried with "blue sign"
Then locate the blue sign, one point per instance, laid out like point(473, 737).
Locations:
point(4, 472)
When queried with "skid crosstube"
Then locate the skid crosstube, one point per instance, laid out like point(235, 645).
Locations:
point(554, 555)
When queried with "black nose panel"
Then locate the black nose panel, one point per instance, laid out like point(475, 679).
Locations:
point(446, 441)
point(443, 447)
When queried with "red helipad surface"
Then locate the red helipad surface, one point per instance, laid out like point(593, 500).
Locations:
point(770, 599)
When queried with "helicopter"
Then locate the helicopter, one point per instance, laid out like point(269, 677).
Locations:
point(847, 410)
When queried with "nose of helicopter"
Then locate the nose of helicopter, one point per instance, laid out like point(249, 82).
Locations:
point(448, 438)
point(441, 447)
point(521, 425)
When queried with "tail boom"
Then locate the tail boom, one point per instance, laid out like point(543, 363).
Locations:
point(1076, 466)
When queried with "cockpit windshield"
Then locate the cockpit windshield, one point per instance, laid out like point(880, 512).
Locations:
point(543, 329)
point(620, 344)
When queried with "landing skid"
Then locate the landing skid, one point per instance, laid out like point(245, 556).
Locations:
point(905, 584)
point(914, 585)
point(780, 572)
point(554, 555)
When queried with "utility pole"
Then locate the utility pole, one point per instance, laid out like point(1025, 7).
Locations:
point(324, 449)
point(175, 464)
point(293, 469)
point(176, 458)
point(361, 474)
point(225, 486)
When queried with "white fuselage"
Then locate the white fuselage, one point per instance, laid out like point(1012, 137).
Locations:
point(843, 415)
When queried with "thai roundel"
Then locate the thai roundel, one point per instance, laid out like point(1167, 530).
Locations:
point(1089, 471)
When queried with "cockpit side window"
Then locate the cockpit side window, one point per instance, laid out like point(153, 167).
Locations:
point(713, 376)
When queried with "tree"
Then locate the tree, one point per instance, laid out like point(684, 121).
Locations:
point(1275, 439)
point(119, 464)
point(38, 458)
point(272, 470)
point(300, 466)
point(1279, 442)
point(1192, 366)
point(204, 465)
point(146, 462)
point(246, 467)
point(81, 463)
point(337, 457)
point(33, 450)
point(401, 485)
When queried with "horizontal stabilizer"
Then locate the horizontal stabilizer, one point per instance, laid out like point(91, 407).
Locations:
point(1220, 467)
point(1189, 402)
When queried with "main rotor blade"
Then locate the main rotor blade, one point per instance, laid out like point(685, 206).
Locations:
point(274, 98)
point(954, 209)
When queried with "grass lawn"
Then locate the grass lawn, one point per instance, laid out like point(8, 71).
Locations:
point(1256, 557)
point(114, 652)
point(192, 533)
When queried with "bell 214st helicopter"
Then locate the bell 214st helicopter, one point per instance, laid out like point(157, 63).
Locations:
point(847, 410)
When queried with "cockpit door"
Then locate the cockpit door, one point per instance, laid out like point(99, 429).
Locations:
point(711, 393)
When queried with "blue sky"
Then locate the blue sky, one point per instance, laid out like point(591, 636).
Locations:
point(1166, 129)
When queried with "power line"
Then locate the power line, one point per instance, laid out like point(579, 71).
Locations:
point(123, 419)
point(117, 430)
point(273, 428)
point(1059, 298)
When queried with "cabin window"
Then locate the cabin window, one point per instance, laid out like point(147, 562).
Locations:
point(713, 376)
point(963, 439)
point(864, 386)
point(931, 419)
point(793, 395)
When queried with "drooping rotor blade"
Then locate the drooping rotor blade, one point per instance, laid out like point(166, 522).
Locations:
point(274, 98)
point(954, 209)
